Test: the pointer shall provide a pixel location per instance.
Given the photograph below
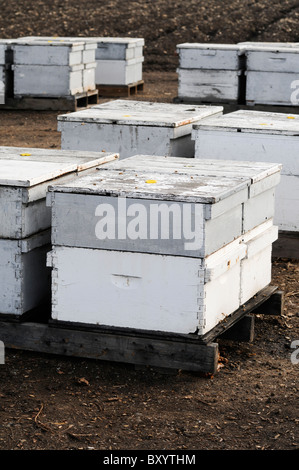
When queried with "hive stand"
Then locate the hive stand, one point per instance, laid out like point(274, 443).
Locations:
point(117, 91)
point(65, 103)
point(142, 348)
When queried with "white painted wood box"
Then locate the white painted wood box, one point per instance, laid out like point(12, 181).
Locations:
point(258, 136)
point(24, 277)
point(131, 279)
point(117, 48)
point(226, 198)
point(119, 60)
point(119, 72)
point(24, 177)
point(210, 72)
point(272, 74)
point(53, 67)
point(130, 127)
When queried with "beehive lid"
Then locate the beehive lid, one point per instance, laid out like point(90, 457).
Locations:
point(198, 181)
point(142, 113)
point(253, 122)
point(61, 39)
point(29, 167)
point(255, 171)
point(274, 45)
point(129, 42)
point(49, 41)
point(210, 46)
point(292, 47)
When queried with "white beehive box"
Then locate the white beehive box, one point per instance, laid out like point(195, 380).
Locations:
point(119, 60)
point(119, 72)
point(258, 136)
point(25, 219)
point(210, 72)
point(24, 277)
point(231, 198)
point(53, 67)
point(24, 177)
point(271, 74)
point(133, 127)
point(127, 281)
point(115, 48)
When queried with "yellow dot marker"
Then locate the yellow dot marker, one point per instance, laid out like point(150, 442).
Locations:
point(151, 181)
point(25, 154)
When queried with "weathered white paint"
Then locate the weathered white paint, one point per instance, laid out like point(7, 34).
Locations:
point(272, 59)
point(48, 53)
point(23, 185)
point(258, 136)
point(208, 85)
point(24, 278)
point(3, 48)
point(158, 292)
point(143, 291)
point(133, 127)
point(59, 63)
point(89, 77)
point(226, 204)
point(256, 267)
point(53, 80)
point(113, 48)
point(88, 56)
point(209, 56)
point(109, 48)
point(119, 72)
point(272, 88)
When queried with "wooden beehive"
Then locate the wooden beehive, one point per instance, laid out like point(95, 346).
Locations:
point(25, 175)
point(115, 61)
point(119, 72)
point(119, 60)
point(25, 220)
point(210, 72)
point(132, 127)
point(258, 136)
point(63, 66)
point(272, 74)
point(24, 277)
point(142, 277)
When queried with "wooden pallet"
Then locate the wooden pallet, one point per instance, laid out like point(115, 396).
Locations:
point(65, 103)
point(142, 348)
point(114, 91)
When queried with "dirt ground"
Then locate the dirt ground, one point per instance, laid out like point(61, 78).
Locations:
point(57, 403)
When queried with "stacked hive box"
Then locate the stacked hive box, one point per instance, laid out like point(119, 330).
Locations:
point(119, 60)
point(272, 73)
point(210, 72)
point(131, 127)
point(5, 70)
point(53, 67)
point(116, 263)
point(258, 136)
point(25, 220)
point(2, 72)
